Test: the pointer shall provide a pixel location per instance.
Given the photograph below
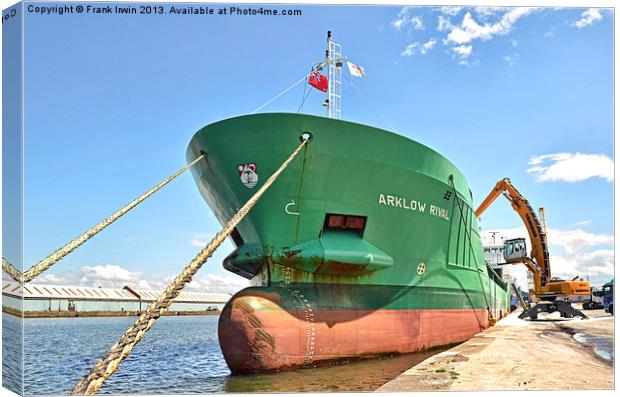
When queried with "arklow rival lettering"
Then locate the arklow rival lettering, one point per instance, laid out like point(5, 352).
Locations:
point(413, 205)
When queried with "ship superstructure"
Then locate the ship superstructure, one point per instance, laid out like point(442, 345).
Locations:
point(493, 248)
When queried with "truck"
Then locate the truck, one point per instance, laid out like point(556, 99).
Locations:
point(608, 297)
point(595, 300)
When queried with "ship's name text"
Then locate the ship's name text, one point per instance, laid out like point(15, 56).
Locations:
point(413, 205)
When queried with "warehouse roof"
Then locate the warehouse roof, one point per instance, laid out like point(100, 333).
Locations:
point(45, 291)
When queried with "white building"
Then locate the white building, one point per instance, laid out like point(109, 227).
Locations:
point(42, 300)
point(493, 248)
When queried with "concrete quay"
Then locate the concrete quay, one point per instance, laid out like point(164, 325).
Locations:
point(548, 354)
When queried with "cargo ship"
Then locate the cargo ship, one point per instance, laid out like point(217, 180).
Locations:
point(367, 245)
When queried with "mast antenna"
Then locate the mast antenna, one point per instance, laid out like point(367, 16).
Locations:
point(334, 62)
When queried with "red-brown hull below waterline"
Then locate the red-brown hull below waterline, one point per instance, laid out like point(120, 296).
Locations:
point(257, 335)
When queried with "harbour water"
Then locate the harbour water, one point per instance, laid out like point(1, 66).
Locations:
point(178, 355)
point(602, 347)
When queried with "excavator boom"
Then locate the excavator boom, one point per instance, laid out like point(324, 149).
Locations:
point(538, 263)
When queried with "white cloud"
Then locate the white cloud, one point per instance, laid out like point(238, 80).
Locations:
point(113, 276)
point(201, 239)
point(462, 53)
point(6, 276)
point(429, 45)
point(410, 50)
point(599, 263)
point(512, 59)
point(404, 19)
point(471, 30)
point(460, 37)
point(108, 274)
point(217, 283)
point(417, 23)
point(449, 10)
point(463, 50)
point(549, 34)
point(573, 252)
point(444, 24)
point(419, 48)
point(574, 241)
point(596, 264)
point(486, 12)
point(571, 167)
point(588, 17)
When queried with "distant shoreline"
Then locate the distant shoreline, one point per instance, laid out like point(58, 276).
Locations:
point(67, 314)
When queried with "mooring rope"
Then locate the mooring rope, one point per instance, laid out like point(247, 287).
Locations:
point(60, 253)
point(105, 367)
point(280, 94)
point(286, 90)
point(11, 270)
point(304, 96)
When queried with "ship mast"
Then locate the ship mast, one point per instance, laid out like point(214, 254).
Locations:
point(334, 61)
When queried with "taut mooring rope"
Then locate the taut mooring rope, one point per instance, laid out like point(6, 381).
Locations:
point(60, 253)
point(11, 270)
point(105, 367)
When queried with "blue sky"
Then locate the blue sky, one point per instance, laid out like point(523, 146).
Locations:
point(112, 101)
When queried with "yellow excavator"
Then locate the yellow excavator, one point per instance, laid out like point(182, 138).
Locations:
point(553, 291)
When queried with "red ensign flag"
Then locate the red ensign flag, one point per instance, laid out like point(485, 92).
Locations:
point(318, 81)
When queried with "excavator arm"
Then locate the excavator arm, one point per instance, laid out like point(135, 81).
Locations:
point(540, 253)
point(545, 287)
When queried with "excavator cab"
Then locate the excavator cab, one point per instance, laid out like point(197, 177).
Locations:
point(515, 250)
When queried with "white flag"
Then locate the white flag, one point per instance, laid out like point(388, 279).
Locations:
point(356, 70)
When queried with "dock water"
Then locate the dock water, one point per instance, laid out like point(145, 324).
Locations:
point(180, 355)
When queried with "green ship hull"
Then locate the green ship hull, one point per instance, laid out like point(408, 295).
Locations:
point(366, 245)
